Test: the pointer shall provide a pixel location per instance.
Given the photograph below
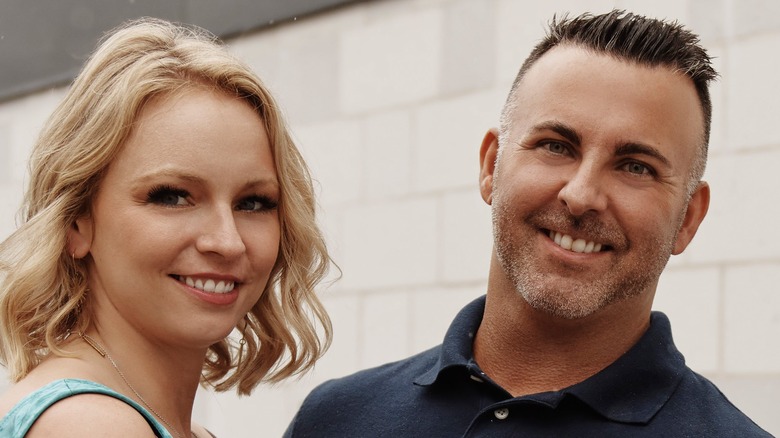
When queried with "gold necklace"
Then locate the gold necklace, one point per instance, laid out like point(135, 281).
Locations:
point(104, 353)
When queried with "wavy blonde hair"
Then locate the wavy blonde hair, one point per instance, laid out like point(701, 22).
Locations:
point(43, 288)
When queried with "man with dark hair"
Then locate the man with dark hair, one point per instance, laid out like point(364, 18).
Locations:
point(594, 181)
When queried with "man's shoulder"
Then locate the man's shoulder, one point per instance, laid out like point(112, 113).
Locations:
point(359, 403)
point(699, 400)
point(393, 376)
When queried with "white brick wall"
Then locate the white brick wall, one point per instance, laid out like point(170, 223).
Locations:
point(449, 133)
point(692, 299)
point(385, 329)
point(6, 162)
point(752, 319)
point(390, 244)
point(432, 311)
point(754, 16)
point(468, 58)
point(20, 122)
point(333, 151)
point(346, 314)
point(389, 101)
point(391, 61)
point(389, 153)
point(466, 237)
point(741, 223)
point(750, 84)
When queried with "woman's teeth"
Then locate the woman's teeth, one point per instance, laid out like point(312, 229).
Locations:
point(211, 286)
point(579, 245)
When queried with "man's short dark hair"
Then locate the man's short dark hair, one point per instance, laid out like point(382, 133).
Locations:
point(634, 38)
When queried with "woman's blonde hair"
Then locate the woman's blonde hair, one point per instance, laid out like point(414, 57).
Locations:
point(43, 288)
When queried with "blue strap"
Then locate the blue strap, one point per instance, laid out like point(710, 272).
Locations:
point(21, 417)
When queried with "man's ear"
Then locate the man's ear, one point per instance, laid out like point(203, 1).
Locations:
point(697, 209)
point(80, 237)
point(487, 164)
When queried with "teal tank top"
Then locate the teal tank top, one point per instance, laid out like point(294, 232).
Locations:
point(21, 417)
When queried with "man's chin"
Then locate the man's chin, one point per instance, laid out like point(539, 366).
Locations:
point(576, 304)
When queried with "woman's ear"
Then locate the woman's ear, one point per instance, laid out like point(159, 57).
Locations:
point(80, 237)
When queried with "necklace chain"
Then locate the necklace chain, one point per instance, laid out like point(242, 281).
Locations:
point(104, 353)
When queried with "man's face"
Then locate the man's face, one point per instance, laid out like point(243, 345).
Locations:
point(589, 188)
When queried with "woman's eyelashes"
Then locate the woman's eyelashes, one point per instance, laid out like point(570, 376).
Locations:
point(170, 196)
point(257, 204)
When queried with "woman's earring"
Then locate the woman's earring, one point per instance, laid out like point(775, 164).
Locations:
point(241, 345)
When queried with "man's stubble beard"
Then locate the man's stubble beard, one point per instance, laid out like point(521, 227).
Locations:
point(573, 297)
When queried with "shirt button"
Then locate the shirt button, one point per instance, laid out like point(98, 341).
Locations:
point(475, 378)
point(501, 414)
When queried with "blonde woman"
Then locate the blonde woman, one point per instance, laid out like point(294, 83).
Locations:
point(167, 208)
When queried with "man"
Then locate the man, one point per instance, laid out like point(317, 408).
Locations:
point(594, 180)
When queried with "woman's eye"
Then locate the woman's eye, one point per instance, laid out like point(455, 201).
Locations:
point(168, 196)
point(256, 204)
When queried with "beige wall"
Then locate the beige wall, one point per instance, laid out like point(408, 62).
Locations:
point(389, 101)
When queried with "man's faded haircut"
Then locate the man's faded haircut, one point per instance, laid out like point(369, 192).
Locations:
point(645, 41)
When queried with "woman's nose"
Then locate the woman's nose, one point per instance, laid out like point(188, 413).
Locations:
point(220, 235)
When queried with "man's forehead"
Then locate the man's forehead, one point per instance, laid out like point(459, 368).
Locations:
point(571, 55)
point(575, 79)
point(601, 99)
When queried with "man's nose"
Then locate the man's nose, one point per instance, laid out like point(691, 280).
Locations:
point(584, 191)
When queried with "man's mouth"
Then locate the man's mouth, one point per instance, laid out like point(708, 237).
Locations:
point(569, 243)
point(207, 285)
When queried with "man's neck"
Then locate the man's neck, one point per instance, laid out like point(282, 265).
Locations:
point(527, 351)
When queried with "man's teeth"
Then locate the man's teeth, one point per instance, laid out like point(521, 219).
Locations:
point(219, 287)
point(580, 245)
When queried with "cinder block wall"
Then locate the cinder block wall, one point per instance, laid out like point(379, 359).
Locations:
point(389, 101)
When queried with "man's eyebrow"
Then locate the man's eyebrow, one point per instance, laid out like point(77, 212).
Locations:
point(641, 149)
point(630, 148)
point(561, 129)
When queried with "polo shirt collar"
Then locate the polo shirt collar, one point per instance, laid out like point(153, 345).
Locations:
point(630, 390)
point(457, 349)
point(637, 385)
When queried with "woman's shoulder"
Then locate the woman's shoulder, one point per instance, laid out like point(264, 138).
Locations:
point(75, 407)
point(49, 375)
point(89, 413)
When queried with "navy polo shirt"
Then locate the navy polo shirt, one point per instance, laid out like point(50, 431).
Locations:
point(648, 392)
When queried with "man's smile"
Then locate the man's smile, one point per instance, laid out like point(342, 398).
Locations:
point(569, 243)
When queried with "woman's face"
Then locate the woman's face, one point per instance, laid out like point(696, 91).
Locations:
point(184, 229)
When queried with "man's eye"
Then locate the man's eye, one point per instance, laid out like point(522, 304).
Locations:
point(168, 196)
point(556, 147)
point(637, 168)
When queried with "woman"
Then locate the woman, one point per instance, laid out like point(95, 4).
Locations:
point(167, 208)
